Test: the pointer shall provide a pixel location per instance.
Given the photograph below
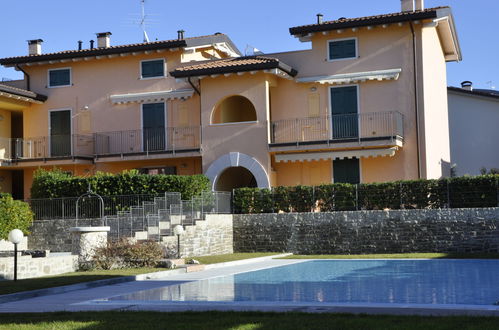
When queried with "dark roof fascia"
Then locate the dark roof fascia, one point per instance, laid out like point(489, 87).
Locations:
point(23, 93)
point(237, 68)
point(474, 92)
point(94, 52)
point(334, 25)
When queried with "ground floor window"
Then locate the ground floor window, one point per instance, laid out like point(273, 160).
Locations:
point(168, 170)
point(346, 171)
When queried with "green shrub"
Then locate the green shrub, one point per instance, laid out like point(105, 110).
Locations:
point(126, 254)
point(14, 215)
point(56, 184)
point(461, 192)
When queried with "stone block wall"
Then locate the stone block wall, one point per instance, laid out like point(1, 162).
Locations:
point(28, 267)
point(212, 236)
point(396, 231)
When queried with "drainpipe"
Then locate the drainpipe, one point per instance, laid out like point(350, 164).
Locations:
point(26, 75)
point(416, 95)
point(190, 82)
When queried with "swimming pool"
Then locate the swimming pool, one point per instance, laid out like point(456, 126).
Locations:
point(428, 282)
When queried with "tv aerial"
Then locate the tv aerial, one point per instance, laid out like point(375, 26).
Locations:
point(143, 20)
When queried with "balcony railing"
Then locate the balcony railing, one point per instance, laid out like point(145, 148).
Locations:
point(75, 145)
point(360, 127)
point(147, 140)
point(169, 139)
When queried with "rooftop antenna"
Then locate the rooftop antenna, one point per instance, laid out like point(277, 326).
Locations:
point(143, 20)
point(491, 84)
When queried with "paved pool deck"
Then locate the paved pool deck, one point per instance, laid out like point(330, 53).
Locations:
point(94, 298)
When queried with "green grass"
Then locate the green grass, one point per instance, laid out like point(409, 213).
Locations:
point(7, 287)
point(69, 278)
point(398, 256)
point(232, 257)
point(236, 320)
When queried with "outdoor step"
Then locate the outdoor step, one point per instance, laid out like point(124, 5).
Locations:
point(141, 235)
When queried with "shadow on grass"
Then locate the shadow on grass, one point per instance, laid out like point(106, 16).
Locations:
point(236, 320)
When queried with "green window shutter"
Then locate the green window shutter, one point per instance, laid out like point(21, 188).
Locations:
point(155, 68)
point(346, 171)
point(60, 77)
point(342, 49)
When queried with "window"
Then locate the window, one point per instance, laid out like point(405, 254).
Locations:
point(60, 77)
point(152, 69)
point(342, 49)
point(346, 171)
point(168, 170)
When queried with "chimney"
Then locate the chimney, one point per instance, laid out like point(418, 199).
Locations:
point(180, 34)
point(92, 44)
point(35, 47)
point(412, 5)
point(103, 39)
point(80, 44)
point(320, 18)
point(468, 85)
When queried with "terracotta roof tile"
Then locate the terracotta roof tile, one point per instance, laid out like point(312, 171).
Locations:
point(367, 20)
point(22, 92)
point(231, 65)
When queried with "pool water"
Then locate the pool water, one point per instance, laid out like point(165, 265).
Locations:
point(437, 281)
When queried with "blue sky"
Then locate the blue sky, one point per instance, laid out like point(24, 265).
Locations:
point(261, 23)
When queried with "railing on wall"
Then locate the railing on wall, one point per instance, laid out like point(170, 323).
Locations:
point(375, 125)
point(147, 140)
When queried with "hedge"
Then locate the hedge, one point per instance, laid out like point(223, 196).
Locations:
point(56, 184)
point(460, 192)
point(13, 215)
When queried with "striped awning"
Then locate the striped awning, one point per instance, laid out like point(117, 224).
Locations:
point(316, 156)
point(348, 78)
point(152, 96)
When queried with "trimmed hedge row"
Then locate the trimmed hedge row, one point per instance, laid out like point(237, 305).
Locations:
point(56, 184)
point(14, 215)
point(461, 192)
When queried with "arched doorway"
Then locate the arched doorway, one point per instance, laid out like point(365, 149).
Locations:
point(235, 177)
point(236, 162)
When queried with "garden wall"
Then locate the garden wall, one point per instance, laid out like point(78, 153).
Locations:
point(352, 232)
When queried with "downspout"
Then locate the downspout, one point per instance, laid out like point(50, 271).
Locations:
point(26, 75)
point(190, 82)
point(416, 95)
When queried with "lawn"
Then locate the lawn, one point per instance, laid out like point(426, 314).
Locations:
point(7, 287)
point(236, 320)
point(398, 256)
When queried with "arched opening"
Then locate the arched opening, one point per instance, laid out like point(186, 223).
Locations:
point(235, 177)
point(234, 109)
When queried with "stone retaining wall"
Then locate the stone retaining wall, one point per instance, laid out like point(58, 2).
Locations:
point(212, 236)
point(397, 231)
point(28, 267)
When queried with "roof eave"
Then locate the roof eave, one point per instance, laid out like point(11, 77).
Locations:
point(246, 68)
point(301, 31)
point(447, 27)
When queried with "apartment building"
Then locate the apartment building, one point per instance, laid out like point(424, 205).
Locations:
point(367, 102)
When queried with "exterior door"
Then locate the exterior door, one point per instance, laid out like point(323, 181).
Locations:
point(344, 108)
point(60, 133)
point(153, 127)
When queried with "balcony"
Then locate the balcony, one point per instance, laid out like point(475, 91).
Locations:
point(147, 141)
point(102, 144)
point(366, 129)
point(44, 147)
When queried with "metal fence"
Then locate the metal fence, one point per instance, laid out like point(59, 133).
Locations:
point(397, 196)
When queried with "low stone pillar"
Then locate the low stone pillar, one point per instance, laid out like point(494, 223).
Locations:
point(85, 240)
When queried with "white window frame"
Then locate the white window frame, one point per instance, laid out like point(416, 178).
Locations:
point(70, 77)
point(165, 109)
point(330, 107)
point(158, 77)
point(49, 147)
point(346, 58)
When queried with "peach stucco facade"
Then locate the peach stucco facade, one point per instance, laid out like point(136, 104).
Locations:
point(398, 128)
